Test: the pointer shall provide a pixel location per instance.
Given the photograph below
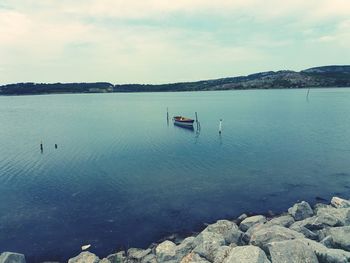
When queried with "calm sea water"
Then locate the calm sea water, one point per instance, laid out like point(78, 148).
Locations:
point(122, 177)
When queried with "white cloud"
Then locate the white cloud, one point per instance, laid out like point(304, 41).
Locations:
point(52, 35)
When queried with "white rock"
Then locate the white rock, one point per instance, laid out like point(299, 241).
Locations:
point(10, 257)
point(166, 251)
point(340, 203)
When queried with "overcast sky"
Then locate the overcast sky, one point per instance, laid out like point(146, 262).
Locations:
point(160, 41)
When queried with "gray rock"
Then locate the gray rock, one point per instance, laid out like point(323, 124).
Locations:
point(340, 203)
point(221, 254)
point(207, 244)
point(119, 257)
point(193, 258)
point(305, 231)
point(340, 236)
point(246, 254)
point(242, 217)
point(342, 215)
point(185, 247)
point(166, 251)
point(227, 229)
point(266, 235)
point(150, 258)
point(251, 221)
point(321, 220)
point(301, 211)
point(291, 251)
point(137, 254)
point(327, 242)
point(104, 260)
point(9, 257)
point(85, 257)
point(284, 220)
point(327, 255)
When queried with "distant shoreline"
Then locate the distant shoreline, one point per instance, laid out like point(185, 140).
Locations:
point(168, 91)
point(319, 77)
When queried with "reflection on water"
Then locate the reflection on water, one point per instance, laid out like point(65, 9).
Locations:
point(122, 178)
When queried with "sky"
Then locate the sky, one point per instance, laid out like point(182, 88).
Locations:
point(161, 41)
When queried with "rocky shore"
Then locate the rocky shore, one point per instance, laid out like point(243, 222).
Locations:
point(301, 235)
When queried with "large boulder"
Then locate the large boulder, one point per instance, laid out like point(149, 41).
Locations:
point(150, 258)
point(305, 231)
point(284, 220)
point(246, 254)
point(251, 221)
point(119, 257)
point(340, 236)
point(342, 215)
point(137, 254)
point(207, 243)
point(193, 258)
point(266, 235)
point(221, 254)
point(327, 255)
point(338, 202)
point(185, 247)
point(301, 211)
point(291, 251)
point(10, 257)
point(85, 257)
point(166, 251)
point(227, 229)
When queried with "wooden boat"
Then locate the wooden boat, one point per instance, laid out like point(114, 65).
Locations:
point(183, 121)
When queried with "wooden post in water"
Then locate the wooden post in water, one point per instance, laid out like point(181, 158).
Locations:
point(220, 126)
point(167, 115)
point(41, 147)
point(197, 122)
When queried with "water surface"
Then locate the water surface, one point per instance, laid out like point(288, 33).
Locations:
point(122, 177)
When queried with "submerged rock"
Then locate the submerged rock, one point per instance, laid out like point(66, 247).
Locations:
point(246, 254)
point(301, 211)
point(10, 257)
point(340, 203)
point(291, 251)
point(85, 257)
point(251, 221)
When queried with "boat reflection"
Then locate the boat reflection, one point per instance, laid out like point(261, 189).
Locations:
point(184, 127)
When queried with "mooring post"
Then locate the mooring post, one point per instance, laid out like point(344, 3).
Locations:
point(197, 122)
point(220, 126)
point(41, 147)
point(167, 115)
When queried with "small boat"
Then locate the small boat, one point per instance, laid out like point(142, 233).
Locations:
point(183, 121)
